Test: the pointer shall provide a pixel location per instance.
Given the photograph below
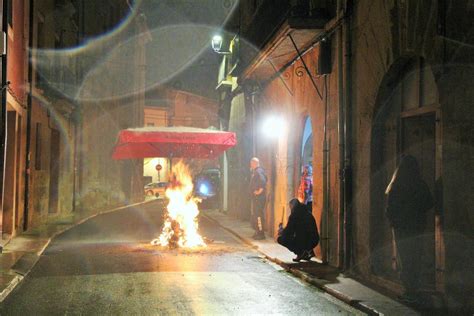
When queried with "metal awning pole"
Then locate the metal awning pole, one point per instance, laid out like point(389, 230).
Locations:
point(305, 67)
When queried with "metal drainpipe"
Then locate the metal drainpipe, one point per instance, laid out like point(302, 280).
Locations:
point(340, 131)
point(74, 162)
point(28, 124)
point(76, 120)
point(348, 140)
point(324, 225)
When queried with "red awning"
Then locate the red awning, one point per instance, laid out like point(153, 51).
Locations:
point(175, 142)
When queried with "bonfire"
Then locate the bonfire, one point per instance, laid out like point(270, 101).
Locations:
point(180, 229)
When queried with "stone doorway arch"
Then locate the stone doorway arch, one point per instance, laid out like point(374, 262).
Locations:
point(406, 121)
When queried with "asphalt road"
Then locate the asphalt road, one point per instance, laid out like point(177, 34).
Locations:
point(106, 266)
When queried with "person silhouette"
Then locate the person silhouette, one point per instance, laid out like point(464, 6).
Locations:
point(301, 233)
point(409, 199)
point(258, 196)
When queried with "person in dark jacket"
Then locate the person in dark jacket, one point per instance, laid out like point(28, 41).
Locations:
point(409, 199)
point(301, 233)
point(258, 195)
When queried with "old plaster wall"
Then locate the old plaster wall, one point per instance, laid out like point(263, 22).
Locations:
point(385, 33)
point(294, 96)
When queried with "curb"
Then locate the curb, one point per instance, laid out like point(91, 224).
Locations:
point(19, 277)
point(300, 274)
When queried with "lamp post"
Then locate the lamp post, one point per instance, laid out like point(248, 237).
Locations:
point(216, 43)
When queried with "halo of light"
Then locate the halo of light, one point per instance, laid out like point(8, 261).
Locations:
point(204, 189)
point(274, 127)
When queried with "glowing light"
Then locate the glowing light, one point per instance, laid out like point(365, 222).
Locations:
point(274, 127)
point(216, 43)
point(204, 189)
point(181, 226)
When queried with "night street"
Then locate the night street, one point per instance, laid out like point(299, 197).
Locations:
point(107, 266)
point(316, 157)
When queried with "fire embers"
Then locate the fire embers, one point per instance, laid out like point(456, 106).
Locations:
point(181, 226)
point(172, 235)
point(177, 235)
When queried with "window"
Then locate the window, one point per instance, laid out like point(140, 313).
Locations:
point(418, 87)
point(38, 147)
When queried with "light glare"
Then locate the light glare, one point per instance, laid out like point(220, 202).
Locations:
point(274, 127)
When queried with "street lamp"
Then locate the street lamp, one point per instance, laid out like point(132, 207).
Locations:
point(216, 43)
point(274, 127)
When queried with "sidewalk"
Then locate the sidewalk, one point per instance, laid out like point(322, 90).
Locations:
point(326, 278)
point(21, 253)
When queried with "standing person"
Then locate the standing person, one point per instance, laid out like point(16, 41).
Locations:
point(258, 183)
point(306, 187)
point(409, 199)
point(301, 233)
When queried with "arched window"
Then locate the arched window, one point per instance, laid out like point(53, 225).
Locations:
point(307, 144)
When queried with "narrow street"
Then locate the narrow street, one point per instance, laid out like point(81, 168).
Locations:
point(107, 266)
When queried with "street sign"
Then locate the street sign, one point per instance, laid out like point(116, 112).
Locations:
point(158, 167)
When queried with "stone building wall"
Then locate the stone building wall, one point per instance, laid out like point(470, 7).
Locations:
point(387, 37)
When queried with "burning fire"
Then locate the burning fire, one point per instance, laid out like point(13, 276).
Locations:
point(181, 227)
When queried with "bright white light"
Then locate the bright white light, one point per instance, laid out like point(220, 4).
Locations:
point(217, 43)
point(274, 127)
point(204, 189)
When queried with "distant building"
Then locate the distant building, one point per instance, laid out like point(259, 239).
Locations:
point(170, 107)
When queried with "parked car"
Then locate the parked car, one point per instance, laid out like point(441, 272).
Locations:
point(156, 188)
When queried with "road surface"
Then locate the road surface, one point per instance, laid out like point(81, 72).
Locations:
point(106, 266)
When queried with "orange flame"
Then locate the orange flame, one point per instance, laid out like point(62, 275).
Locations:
point(181, 226)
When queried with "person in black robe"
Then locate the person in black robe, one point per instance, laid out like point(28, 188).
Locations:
point(409, 199)
point(301, 233)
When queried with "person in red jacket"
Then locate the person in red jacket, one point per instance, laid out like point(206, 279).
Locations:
point(306, 187)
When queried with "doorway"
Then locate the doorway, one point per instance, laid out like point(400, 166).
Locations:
point(419, 140)
point(406, 122)
point(12, 172)
point(54, 171)
point(307, 145)
point(18, 183)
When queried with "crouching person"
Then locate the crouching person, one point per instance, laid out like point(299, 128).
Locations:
point(301, 233)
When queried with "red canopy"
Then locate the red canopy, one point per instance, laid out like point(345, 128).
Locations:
point(175, 142)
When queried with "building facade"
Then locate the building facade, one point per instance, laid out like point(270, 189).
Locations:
point(61, 119)
point(358, 84)
point(13, 188)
